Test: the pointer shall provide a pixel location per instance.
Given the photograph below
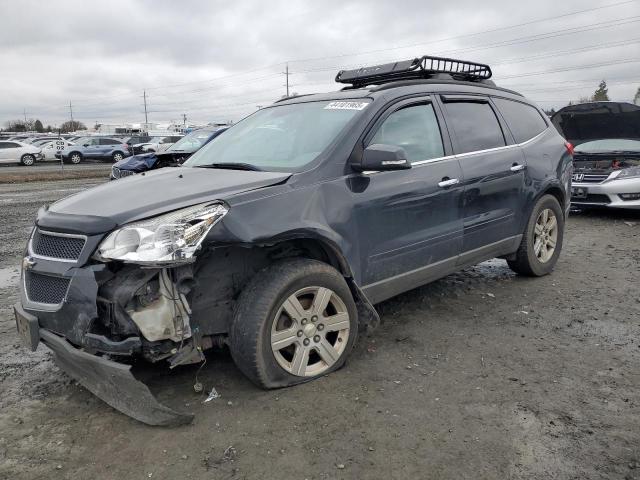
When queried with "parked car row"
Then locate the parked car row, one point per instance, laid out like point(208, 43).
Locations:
point(29, 148)
point(174, 155)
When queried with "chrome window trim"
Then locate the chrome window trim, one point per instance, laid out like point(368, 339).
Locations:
point(55, 234)
point(466, 154)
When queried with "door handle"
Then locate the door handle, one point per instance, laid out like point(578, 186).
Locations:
point(516, 168)
point(448, 182)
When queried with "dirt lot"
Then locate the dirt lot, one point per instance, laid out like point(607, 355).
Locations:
point(482, 375)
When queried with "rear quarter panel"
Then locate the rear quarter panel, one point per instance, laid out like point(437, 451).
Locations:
point(549, 167)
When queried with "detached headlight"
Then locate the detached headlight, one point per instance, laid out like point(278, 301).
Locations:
point(168, 238)
point(630, 172)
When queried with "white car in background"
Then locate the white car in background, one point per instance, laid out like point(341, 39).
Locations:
point(156, 144)
point(49, 149)
point(12, 151)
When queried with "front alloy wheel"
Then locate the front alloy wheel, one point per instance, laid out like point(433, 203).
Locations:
point(75, 158)
point(310, 331)
point(295, 320)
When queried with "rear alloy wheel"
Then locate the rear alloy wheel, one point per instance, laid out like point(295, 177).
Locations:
point(295, 321)
point(545, 235)
point(117, 157)
point(542, 240)
point(27, 160)
point(75, 158)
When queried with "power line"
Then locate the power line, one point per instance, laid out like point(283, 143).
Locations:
point(467, 35)
point(400, 47)
point(567, 69)
point(513, 41)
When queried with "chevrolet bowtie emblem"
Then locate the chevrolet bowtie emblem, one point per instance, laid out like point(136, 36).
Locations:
point(28, 263)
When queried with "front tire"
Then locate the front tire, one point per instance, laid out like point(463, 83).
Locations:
point(295, 321)
point(28, 160)
point(542, 241)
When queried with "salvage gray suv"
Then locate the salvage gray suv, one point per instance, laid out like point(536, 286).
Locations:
point(279, 237)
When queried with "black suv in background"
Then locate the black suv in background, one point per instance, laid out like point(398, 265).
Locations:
point(278, 238)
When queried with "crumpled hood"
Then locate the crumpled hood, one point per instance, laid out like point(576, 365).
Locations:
point(101, 208)
point(598, 120)
point(137, 163)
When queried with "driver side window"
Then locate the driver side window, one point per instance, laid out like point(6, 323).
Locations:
point(414, 128)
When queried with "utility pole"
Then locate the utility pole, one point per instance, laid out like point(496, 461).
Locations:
point(71, 112)
point(146, 120)
point(25, 118)
point(184, 120)
point(286, 74)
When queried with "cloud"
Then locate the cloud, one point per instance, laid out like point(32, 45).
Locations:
point(219, 60)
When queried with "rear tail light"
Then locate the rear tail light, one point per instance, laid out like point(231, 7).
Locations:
point(569, 148)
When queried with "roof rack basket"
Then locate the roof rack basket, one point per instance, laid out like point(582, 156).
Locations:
point(422, 67)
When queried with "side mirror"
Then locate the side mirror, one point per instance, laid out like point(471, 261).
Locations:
point(85, 145)
point(379, 157)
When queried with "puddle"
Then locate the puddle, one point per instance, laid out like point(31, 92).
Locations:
point(9, 277)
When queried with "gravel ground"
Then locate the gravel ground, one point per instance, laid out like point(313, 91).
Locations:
point(481, 375)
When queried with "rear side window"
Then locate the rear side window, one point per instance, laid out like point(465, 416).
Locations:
point(415, 129)
point(525, 122)
point(108, 141)
point(475, 125)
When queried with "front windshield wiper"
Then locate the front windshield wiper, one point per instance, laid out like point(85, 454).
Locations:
point(231, 166)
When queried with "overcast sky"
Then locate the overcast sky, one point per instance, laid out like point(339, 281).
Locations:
point(218, 61)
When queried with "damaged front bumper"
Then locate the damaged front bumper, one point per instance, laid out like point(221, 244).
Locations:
point(110, 381)
point(100, 315)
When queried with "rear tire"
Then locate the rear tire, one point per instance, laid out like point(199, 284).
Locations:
point(28, 160)
point(117, 156)
point(542, 240)
point(295, 321)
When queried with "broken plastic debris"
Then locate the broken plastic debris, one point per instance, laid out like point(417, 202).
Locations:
point(213, 394)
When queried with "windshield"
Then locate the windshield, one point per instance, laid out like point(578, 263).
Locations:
point(609, 145)
point(281, 138)
point(191, 142)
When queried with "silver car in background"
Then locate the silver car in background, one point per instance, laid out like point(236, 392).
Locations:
point(606, 160)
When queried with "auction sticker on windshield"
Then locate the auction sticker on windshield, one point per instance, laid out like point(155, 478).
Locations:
point(346, 106)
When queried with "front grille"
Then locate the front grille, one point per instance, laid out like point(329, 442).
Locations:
point(117, 173)
point(590, 178)
point(55, 246)
point(45, 289)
